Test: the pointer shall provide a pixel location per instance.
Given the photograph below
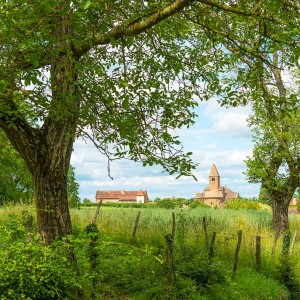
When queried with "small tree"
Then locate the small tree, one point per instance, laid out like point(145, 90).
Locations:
point(73, 186)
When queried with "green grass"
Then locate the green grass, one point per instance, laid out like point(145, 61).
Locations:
point(136, 269)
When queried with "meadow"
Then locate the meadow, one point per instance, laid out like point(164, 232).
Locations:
point(113, 262)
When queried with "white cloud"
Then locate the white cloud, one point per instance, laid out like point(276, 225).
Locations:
point(230, 121)
point(220, 136)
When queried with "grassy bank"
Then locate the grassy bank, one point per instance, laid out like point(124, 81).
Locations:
point(116, 266)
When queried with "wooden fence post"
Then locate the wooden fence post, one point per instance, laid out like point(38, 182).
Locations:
point(97, 212)
point(258, 254)
point(169, 249)
point(136, 223)
point(93, 233)
point(29, 228)
point(204, 225)
point(211, 248)
point(274, 246)
point(293, 243)
point(237, 250)
point(173, 225)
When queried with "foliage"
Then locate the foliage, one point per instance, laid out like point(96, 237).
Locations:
point(87, 201)
point(117, 204)
point(285, 268)
point(260, 70)
point(264, 197)
point(15, 179)
point(138, 270)
point(297, 195)
point(167, 203)
point(124, 75)
point(275, 161)
point(31, 270)
point(72, 187)
point(196, 204)
point(242, 204)
point(249, 285)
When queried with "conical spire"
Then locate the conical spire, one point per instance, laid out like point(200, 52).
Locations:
point(214, 179)
point(214, 172)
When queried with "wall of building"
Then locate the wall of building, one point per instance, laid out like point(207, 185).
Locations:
point(140, 199)
point(213, 202)
point(107, 200)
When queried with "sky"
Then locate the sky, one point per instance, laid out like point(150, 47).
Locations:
point(220, 136)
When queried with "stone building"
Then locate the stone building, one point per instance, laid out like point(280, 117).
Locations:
point(215, 194)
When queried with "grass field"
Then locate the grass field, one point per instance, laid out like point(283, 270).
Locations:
point(113, 265)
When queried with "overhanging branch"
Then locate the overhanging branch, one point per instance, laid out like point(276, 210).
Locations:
point(134, 27)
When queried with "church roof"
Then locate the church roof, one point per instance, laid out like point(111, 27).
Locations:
point(199, 196)
point(229, 194)
point(214, 194)
point(214, 172)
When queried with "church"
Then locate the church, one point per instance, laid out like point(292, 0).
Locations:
point(215, 194)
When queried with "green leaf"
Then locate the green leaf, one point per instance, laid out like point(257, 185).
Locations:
point(87, 4)
point(125, 104)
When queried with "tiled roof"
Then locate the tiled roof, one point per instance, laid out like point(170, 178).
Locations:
point(229, 194)
point(120, 194)
point(214, 194)
point(199, 196)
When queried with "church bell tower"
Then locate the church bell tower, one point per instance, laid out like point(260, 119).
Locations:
point(214, 179)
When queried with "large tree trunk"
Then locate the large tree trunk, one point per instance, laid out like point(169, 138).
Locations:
point(57, 137)
point(280, 205)
point(50, 181)
point(47, 150)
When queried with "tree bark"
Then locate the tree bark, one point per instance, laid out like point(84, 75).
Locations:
point(47, 150)
point(50, 182)
point(280, 206)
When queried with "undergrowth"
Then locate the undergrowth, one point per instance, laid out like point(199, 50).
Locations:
point(143, 267)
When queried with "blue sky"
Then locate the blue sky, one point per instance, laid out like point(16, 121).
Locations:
point(219, 136)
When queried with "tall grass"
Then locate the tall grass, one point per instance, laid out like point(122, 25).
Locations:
point(155, 223)
point(190, 246)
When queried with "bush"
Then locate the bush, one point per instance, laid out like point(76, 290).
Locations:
point(166, 203)
point(242, 204)
point(31, 270)
point(197, 203)
point(117, 204)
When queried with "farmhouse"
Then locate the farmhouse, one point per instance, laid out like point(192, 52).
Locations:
point(215, 194)
point(122, 196)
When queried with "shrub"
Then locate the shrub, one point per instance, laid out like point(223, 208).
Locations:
point(31, 270)
point(166, 203)
point(197, 203)
point(117, 204)
point(242, 204)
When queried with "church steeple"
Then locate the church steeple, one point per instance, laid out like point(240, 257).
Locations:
point(214, 179)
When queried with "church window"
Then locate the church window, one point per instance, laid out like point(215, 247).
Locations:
point(213, 179)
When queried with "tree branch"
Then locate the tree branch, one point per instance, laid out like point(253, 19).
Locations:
point(134, 27)
point(18, 130)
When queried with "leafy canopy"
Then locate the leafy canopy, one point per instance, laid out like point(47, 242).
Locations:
point(139, 66)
